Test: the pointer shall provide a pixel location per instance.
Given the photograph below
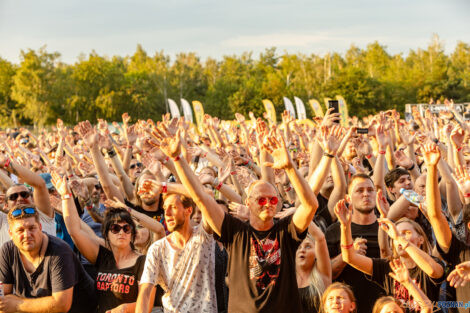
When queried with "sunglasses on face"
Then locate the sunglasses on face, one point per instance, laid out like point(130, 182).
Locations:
point(19, 212)
point(98, 187)
point(135, 165)
point(14, 196)
point(264, 200)
point(116, 228)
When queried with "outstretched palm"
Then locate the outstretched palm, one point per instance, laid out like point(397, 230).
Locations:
point(278, 151)
point(431, 154)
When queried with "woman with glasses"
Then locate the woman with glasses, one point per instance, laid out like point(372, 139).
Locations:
point(118, 264)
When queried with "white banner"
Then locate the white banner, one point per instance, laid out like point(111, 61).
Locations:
point(175, 112)
point(299, 105)
point(289, 106)
point(188, 113)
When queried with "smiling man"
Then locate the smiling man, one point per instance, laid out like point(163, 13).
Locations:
point(41, 273)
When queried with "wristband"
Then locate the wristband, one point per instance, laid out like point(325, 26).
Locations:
point(382, 151)
point(89, 207)
point(467, 195)
point(204, 155)
point(219, 186)
point(164, 187)
point(67, 196)
point(328, 155)
point(233, 173)
point(458, 149)
point(369, 156)
point(165, 160)
point(288, 189)
point(177, 158)
point(7, 163)
point(347, 246)
point(247, 163)
point(411, 168)
point(129, 147)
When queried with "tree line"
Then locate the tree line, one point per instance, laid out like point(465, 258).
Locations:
point(41, 89)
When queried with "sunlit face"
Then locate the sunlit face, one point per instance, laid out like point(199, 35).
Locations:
point(135, 169)
point(207, 171)
point(148, 198)
point(338, 301)
point(391, 307)
point(362, 195)
point(263, 212)
point(18, 190)
point(403, 182)
point(175, 214)
point(420, 185)
point(305, 255)
point(408, 231)
point(26, 234)
point(142, 235)
point(196, 217)
point(350, 151)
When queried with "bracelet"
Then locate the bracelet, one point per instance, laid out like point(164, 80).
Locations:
point(369, 156)
point(328, 155)
point(89, 207)
point(411, 168)
point(467, 195)
point(382, 151)
point(247, 163)
point(178, 158)
point(7, 163)
point(164, 187)
point(165, 160)
point(129, 146)
point(67, 196)
point(288, 189)
point(458, 149)
point(233, 173)
point(204, 155)
point(219, 186)
point(347, 246)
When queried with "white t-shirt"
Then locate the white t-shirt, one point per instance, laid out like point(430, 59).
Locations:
point(48, 226)
point(187, 275)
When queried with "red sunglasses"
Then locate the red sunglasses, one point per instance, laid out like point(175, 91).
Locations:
point(264, 200)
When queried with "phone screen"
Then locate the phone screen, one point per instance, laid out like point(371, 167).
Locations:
point(333, 104)
point(362, 130)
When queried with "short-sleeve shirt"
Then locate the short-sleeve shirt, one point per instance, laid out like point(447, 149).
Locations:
point(430, 286)
point(458, 252)
point(186, 275)
point(114, 285)
point(261, 266)
point(4, 235)
point(59, 270)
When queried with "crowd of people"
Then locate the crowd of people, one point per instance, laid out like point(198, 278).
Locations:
point(237, 216)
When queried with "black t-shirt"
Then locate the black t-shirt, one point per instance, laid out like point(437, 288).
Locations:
point(307, 301)
point(59, 270)
point(261, 266)
point(458, 252)
point(322, 215)
point(116, 286)
point(366, 292)
point(430, 286)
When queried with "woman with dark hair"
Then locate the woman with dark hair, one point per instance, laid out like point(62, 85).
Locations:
point(118, 264)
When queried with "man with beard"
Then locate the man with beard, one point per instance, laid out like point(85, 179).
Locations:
point(361, 196)
point(182, 263)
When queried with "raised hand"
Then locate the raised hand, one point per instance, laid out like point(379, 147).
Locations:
point(115, 203)
point(330, 139)
point(382, 204)
point(400, 272)
point(457, 136)
point(240, 118)
point(60, 183)
point(462, 177)
point(240, 211)
point(330, 119)
point(431, 154)
point(402, 159)
point(150, 187)
point(277, 149)
point(227, 169)
point(460, 275)
point(169, 144)
point(381, 137)
point(151, 163)
point(389, 227)
point(343, 213)
point(88, 133)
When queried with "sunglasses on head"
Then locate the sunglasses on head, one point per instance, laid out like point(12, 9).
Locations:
point(264, 200)
point(138, 164)
point(18, 212)
point(14, 196)
point(116, 228)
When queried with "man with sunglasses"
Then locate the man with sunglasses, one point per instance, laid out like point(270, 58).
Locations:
point(41, 273)
point(262, 253)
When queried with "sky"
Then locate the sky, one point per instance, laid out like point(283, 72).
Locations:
point(214, 28)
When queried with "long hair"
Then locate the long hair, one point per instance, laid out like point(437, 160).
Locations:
point(316, 286)
point(335, 286)
point(381, 302)
point(426, 246)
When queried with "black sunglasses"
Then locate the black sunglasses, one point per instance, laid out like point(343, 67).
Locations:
point(19, 212)
point(138, 164)
point(14, 196)
point(116, 228)
point(98, 186)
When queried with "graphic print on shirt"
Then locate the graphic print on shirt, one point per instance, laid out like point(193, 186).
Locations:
point(118, 284)
point(265, 261)
point(401, 294)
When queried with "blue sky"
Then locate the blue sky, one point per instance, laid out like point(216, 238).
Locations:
point(221, 27)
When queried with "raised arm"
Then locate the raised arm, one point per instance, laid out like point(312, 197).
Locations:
point(321, 251)
point(433, 198)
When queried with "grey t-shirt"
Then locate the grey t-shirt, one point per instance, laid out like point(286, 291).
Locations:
point(59, 270)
